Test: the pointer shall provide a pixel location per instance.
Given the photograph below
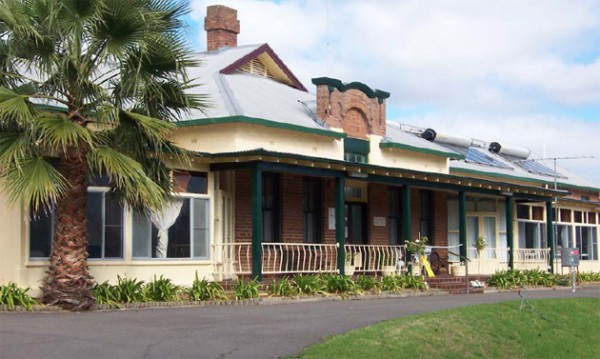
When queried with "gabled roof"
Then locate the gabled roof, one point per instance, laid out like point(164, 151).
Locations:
point(232, 91)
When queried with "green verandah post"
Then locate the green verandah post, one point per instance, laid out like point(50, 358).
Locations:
point(340, 223)
point(462, 222)
point(550, 232)
point(510, 235)
point(405, 212)
point(257, 222)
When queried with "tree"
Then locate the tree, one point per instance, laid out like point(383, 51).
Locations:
point(95, 84)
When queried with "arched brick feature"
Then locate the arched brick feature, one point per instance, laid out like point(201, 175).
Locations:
point(353, 107)
point(355, 123)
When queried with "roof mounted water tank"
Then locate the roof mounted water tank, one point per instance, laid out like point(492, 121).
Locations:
point(516, 152)
point(433, 136)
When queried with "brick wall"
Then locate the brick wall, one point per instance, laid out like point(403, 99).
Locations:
point(378, 207)
point(292, 203)
point(222, 26)
point(351, 110)
point(243, 210)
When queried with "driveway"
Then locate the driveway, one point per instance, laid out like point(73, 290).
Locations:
point(252, 331)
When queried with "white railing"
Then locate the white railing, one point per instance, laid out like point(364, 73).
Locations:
point(533, 255)
point(289, 258)
point(233, 258)
point(487, 253)
point(373, 258)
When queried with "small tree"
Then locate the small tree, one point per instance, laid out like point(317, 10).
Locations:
point(94, 83)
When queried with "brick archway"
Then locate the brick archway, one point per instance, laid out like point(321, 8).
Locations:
point(355, 123)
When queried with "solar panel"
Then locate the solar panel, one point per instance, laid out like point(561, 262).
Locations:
point(537, 168)
point(476, 156)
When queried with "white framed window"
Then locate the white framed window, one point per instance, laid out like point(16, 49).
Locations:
point(187, 236)
point(105, 218)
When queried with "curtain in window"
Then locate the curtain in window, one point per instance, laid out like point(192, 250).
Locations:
point(163, 220)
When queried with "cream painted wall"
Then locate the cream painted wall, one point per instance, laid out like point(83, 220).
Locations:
point(11, 244)
point(405, 159)
point(244, 137)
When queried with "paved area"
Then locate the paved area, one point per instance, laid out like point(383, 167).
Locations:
point(254, 331)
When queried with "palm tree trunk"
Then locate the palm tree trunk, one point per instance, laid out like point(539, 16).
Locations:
point(68, 282)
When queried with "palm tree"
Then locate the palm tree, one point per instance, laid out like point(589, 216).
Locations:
point(95, 84)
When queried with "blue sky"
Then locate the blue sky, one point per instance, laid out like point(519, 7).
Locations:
point(522, 73)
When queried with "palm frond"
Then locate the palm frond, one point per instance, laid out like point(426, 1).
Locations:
point(128, 178)
point(14, 146)
point(13, 105)
point(60, 132)
point(35, 181)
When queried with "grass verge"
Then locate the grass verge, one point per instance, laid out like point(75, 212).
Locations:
point(553, 328)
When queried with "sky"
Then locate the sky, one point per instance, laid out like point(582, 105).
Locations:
point(521, 73)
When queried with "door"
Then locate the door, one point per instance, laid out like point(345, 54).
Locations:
point(356, 223)
point(481, 226)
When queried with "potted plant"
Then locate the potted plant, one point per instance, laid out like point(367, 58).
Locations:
point(480, 244)
point(387, 263)
point(417, 249)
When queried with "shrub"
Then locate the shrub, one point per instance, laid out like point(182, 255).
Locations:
point(106, 294)
point(308, 284)
point(335, 283)
point(283, 288)
point(414, 282)
point(246, 290)
point(11, 296)
point(391, 283)
point(588, 277)
point(129, 290)
point(205, 290)
point(366, 283)
point(160, 290)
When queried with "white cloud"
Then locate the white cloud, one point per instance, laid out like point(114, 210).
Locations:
point(501, 67)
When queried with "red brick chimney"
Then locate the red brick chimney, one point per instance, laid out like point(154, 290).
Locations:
point(222, 26)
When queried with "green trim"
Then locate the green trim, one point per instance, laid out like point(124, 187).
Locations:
point(356, 145)
point(45, 107)
point(462, 223)
point(524, 179)
point(260, 122)
point(405, 211)
point(381, 95)
point(257, 223)
point(340, 226)
point(451, 155)
point(405, 179)
point(510, 230)
point(550, 233)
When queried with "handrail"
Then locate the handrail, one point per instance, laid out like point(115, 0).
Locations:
point(466, 260)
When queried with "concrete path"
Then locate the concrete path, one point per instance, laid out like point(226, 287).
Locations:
point(253, 331)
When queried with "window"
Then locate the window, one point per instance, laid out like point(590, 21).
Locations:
point(532, 235)
point(270, 207)
point(356, 150)
point(587, 242)
point(41, 233)
point(394, 216)
point(312, 210)
point(104, 225)
point(185, 231)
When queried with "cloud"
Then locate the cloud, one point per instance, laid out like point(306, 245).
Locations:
point(521, 70)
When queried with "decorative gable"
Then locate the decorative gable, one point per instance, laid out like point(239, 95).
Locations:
point(264, 62)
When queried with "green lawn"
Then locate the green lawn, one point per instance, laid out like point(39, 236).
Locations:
point(558, 328)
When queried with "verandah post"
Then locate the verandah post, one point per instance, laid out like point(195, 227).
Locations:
point(550, 232)
point(257, 223)
point(462, 222)
point(340, 223)
point(510, 235)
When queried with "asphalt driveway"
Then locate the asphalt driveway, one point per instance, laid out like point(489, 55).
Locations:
point(253, 331)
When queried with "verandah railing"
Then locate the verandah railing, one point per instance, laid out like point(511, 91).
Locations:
point(277, 258)
point(368, 258)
